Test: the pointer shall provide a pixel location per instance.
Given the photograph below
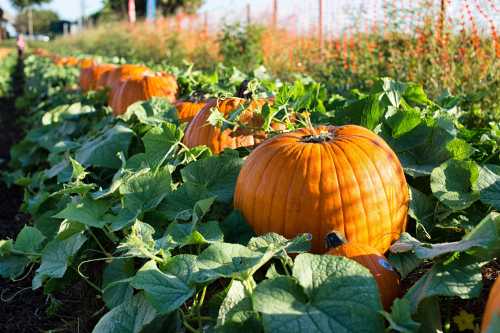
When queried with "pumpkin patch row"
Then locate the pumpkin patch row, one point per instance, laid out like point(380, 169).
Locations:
point(219, 197)
point(341, 180)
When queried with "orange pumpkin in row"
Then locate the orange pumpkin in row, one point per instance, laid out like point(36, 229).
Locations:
point(90, 76)
point(187, 110)
point(201, 132)
point(142, 88)
point(343, 179)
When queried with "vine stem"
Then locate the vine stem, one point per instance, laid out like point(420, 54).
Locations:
point(106, 253)
point(90, 283)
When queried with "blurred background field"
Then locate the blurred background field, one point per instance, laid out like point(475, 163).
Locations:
point(448, 46)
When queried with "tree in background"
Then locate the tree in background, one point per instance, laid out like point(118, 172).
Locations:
point(119, 8)
point(42, 18)
point(28, 5)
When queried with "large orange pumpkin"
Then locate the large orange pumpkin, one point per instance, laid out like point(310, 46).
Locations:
point(142, 88)
point(187, 110)
point(201, 132)
point(328, 179)
point(386, 277)
point(492, 307)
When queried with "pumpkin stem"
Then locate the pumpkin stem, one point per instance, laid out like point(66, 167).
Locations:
point(334, 240)
point(318, 138)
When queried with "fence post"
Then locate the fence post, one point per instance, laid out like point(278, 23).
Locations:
point(249, 14)
point(131, 11)
point(320, 27)
point(275, 14)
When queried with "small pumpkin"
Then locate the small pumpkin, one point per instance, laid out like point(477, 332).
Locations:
point(386, 277)
point(319, 180)
point(492, 307)
point(66, 61)
point(142, 88)
point(201, 132)
point(187, 110)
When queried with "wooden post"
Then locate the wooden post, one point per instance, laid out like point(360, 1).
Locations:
point(275, 14)
point(442, 17)
point(249, 14)
point(205, 24)
point(320, 25)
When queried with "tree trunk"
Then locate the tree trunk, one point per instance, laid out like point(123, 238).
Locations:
point(30, 21)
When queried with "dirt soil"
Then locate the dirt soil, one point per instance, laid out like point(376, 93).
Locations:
point(22, 309)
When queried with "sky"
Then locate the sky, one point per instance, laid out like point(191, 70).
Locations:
point(67, 9)
point(301, 15)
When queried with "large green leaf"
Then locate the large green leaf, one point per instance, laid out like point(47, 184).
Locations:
point(166, 292)
point(454, 183)
point(488, 184)
point(145, 189)
point(236, 313)
point(129, 317)
point(29, 240)
point(459, 276)
point(325, 294)
point(86, 211)
point(56, 257)
point(116, 282)
point(102, 151)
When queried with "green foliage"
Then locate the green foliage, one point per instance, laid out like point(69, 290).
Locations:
point(126, 191)
point(241, 46)
point(42, 19)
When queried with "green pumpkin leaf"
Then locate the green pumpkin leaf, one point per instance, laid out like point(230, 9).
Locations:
point(145, 189)
point(454, 183)
point(400, 319)
point(29, 240)
point(86, 211)
point(236, 313)
point(115, 282)
point(102, 151)
point(129, 317)
point(459, 276)
point(56, 257)
point(166, 292)
point(325, 294)
point(488, 184)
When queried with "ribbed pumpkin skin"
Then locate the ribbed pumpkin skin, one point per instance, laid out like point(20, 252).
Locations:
point(187, 110)
point(86, 76)
point(142, 88)
point(352, 184)
point(97, 73)
point(200, 132)
point(492, 306)
point(116, 77)
point(387, 279)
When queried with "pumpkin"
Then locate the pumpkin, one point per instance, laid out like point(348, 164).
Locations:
point(187, 110)
point(117, 75)
point(201, 132)
point(386, 277)
point(101, 75)
point(492, 307)
point(86, 76)
point(124, 72)
point(321, 180)
point(142, 88)
point(66, 61)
